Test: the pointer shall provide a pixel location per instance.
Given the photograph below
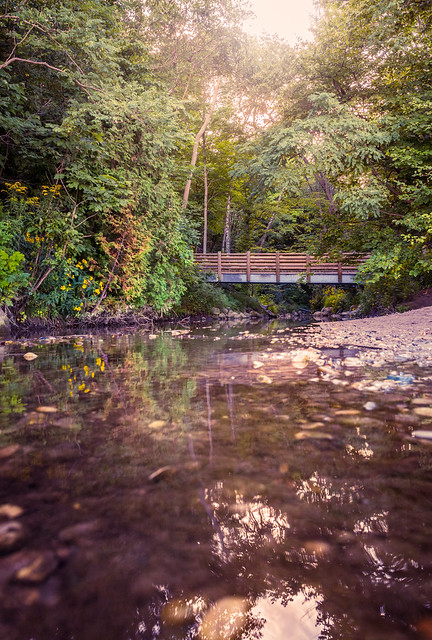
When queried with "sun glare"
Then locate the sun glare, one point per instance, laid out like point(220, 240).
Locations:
point(289, 19)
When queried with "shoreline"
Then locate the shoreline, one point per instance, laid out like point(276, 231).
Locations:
point(405, 331)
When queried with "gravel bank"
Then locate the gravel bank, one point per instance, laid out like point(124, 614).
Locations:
point(403, 334)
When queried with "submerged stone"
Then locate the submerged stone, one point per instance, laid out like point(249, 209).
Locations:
point(423, 411)
point(312, 435)
point(162, 472)
point(11, 535)
point(38, 566)
point(423, 434)
point(157, 424)
point(46, 409)
point(370, 406)
point(10, 511)
point(80, 530)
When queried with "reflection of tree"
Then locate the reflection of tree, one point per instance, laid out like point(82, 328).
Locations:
point(270, 517)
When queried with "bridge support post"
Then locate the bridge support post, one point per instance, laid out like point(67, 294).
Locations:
point(248, 266)
point(308, 269)
point(219, 265)
point(277, 266)
point(339, 272)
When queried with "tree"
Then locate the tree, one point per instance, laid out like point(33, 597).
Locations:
point(93, 146)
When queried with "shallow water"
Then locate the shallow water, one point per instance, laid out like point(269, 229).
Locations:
point(197, 485)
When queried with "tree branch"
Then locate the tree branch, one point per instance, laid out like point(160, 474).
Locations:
point(86, 87)
point(196, 143)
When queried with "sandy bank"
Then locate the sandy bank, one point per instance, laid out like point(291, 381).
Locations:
point(401, 332)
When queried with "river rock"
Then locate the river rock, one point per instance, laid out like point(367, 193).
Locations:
point(29, 356)
point(422, 402)
point(162, 472)
point(78, 531)
point(312, 435)
point(264, 379)
point(352, 362)
point(157, 424)
point(37, 567)
point(46, 409)
point(425, 412)
point(10, 511)
point(11, 536)
point(6, 452)
point(423, 434)
point(370, 406)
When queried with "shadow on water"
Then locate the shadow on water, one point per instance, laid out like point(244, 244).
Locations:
point(161, 487)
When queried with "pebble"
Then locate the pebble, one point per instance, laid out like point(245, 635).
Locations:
point(312, 435)
point(370, 406)
point(10, 511)
point(423, 434)
point(347, 412)
point(422, 401)
point(29, 356)
point(264, 379)
point(6, 452)
point(352, 362)
point(423, 411)
point(38, 566)
point(11, 535)
point(162, 472)
point(313, 425)
point(157, 424)
point(46, 409)
point(80, 530)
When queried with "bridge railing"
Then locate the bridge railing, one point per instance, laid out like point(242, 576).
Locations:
point(276, 264)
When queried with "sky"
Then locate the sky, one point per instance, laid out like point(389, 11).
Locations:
point(289, 19)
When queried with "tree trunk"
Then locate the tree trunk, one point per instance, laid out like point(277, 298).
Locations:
point(196, 144)
point(205, 194)
point(270, 222)
point(226, 242)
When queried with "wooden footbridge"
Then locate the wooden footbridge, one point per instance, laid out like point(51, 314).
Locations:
point(283, 268)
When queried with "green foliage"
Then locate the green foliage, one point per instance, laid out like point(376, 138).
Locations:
point(12, 278)
point(97, 126)
point(201, 296)
point(386, 294)
point(95, 161)
point(336, 298)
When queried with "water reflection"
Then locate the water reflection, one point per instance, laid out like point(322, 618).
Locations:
point(296, 620)
point(166, 494)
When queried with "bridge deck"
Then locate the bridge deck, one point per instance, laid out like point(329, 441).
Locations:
point(276, 268)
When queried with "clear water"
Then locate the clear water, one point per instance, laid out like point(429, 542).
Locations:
point(166, 494)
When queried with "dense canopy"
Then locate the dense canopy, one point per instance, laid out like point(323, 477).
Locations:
point(133, 132)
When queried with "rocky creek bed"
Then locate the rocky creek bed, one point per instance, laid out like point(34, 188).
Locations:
point(230, 480)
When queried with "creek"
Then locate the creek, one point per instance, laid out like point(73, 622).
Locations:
point(196, 483)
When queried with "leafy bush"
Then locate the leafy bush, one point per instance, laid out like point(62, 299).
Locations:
point(201, 296)
point(386, 294)
point(337, 298)
point(12, 277)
